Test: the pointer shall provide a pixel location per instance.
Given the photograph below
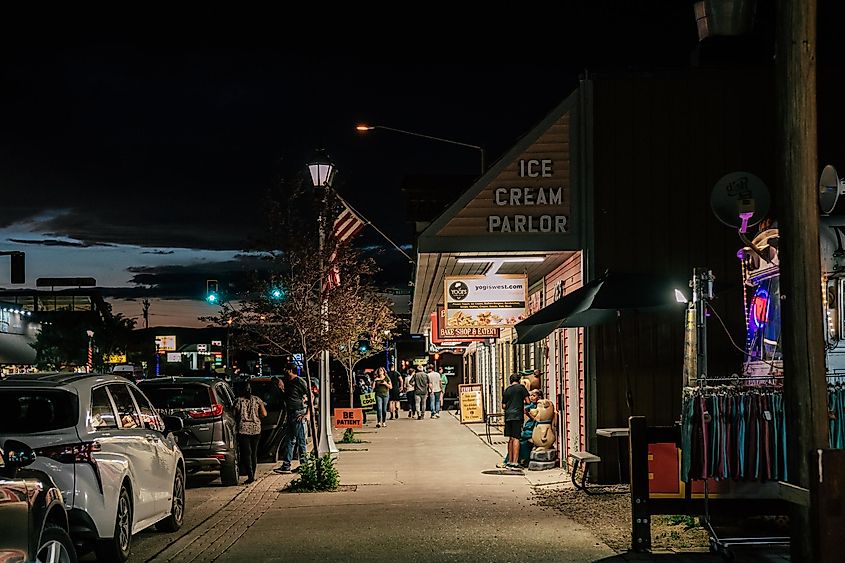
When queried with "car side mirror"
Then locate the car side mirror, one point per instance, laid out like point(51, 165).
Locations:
point(173, 424)
point(17, 454)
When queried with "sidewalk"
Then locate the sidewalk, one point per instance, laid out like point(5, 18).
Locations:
point(499, 444)
point(421, 494)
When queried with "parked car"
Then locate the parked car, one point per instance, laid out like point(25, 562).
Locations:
point(209, 439)
point(111, 454)
point(35, 526)
point(131, 372)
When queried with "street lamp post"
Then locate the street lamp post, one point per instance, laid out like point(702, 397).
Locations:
point(363, 128)
point(322, 175)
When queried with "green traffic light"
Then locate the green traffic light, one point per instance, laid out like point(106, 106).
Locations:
point(211, 298)
point(277, 293)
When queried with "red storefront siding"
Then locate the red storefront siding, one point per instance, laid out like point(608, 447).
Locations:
point(564, 279)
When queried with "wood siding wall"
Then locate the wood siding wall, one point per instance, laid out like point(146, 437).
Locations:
point(660, 144)
point(570, 275)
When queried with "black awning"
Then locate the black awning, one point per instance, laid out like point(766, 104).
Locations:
point(599, 302)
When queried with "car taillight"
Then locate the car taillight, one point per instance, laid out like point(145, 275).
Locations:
point(74, 453)
point(206, 412)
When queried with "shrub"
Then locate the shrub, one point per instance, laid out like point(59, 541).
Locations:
point(349, 437)
point(316, 475)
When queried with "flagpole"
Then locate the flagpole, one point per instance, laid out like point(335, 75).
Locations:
point(379, 231)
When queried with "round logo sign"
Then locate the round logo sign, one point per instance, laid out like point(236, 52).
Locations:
point(458, 290)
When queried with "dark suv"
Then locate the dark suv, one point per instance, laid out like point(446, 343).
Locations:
point(206, 405)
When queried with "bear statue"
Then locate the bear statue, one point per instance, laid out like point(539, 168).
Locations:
point(543, 436)
point(530, 380)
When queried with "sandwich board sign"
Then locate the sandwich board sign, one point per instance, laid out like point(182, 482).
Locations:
point(472, 407)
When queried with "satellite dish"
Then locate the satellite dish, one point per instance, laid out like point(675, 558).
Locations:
point(740, 200)
point(830, 188)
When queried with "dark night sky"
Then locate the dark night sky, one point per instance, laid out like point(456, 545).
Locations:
point(147, 167)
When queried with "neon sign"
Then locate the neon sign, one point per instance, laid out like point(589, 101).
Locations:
point(759, 314)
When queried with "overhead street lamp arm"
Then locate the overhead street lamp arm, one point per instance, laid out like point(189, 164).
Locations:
point(364, 128)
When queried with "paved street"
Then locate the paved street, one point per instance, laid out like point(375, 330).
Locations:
point(420, 495)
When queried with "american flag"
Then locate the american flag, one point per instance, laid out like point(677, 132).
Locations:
point(347, 225)
point(333, 275)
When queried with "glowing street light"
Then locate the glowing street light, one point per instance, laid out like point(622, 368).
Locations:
point(363, 128)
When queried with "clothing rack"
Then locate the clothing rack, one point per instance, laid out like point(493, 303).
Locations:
point(768, 385)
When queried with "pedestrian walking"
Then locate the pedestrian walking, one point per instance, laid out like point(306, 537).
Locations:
point(435, 387)
point(409, 393)
point(249, 409)
point(295, 394)
point(382, 387)
point(513, 402)
point(421, 387)
point(444, 382)
point(395, 390)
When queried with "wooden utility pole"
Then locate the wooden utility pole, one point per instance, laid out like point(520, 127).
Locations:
point(805, 394)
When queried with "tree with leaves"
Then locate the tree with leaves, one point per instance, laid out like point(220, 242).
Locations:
point(365, 316)
point(289, 308)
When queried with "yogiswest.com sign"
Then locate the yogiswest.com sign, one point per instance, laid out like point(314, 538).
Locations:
point(484, 301)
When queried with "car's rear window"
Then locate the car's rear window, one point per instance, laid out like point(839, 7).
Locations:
point(26, 411)
point(177, 396)
point(269, 392)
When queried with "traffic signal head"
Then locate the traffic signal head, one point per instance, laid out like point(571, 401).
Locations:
point(363, 346)
point(277, 293)
point(212, 293)
point(18, 269)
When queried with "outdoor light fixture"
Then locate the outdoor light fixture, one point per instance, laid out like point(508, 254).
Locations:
point(363, 128)
point(503, 259)
point(680, 297)
point(322, 170)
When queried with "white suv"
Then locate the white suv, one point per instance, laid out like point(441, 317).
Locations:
point(107, 449)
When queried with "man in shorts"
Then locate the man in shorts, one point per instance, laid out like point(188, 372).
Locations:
point(513, 403)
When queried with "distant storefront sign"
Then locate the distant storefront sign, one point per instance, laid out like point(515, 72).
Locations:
point(217, 343)
point(420, 362)
point(472, 407)
point(174, 357)
point(202, 348)
point(116, 359)
point(166, 343)
point(484, 302)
